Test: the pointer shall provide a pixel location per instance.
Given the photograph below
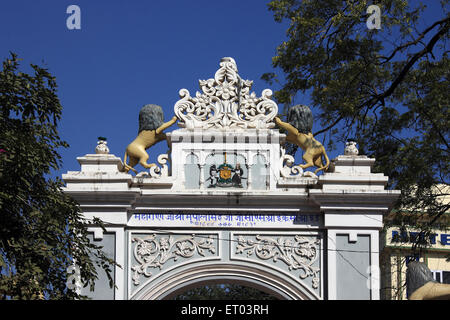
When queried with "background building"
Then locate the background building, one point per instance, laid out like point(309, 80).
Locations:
point(399, 239)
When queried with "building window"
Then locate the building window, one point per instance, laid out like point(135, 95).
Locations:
point(441, 276)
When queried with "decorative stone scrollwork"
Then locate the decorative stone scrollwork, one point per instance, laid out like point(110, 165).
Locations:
point(288, 170)
point(226, 102)
point(152, 252)
point(298, 253)
point(163, 171)
point(155, 171)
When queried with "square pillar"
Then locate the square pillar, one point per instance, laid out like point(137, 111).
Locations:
point(353, 201)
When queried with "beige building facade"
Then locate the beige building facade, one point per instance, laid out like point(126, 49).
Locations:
point(398, 251)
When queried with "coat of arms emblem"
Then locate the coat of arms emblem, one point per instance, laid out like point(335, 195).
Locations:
point(225, 172)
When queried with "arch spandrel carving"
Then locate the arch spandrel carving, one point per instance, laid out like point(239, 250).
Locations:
point(289, 263)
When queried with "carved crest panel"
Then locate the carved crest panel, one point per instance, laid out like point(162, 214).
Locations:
point(225, 170)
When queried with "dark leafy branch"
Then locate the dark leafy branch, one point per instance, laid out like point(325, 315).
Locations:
point(42, 230)
point(390, 93)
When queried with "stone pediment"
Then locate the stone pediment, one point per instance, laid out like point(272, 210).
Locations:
point(226, 103)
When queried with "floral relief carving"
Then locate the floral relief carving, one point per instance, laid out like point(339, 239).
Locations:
point(152, 252)
point(299, 253)
point(226, 101)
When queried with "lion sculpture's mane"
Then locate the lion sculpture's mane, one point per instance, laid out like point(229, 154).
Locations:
point(151, 117)
point(417, 275)
point(301, 117)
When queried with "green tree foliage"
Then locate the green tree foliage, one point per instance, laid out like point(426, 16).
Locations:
point(41, 228)
point(388, 88)
point(229, 291)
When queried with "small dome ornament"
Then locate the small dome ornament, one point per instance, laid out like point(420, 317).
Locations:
point(350, 148)
point(101, 148)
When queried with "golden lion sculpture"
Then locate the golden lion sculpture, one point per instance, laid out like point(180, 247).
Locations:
point(151, 129)
point(299, 133)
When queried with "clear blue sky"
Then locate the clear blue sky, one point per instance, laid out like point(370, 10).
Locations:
point(131, 53)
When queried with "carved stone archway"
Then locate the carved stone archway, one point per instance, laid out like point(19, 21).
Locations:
point(271, 283)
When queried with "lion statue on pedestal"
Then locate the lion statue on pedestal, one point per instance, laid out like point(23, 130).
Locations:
point(151, 129)
point(299, 127)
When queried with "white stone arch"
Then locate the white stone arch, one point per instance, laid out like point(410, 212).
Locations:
point(276, 284)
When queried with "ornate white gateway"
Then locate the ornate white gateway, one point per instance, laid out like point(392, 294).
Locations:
point(227, 204)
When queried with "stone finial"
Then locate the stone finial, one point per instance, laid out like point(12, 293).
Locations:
point(350, 148)
point(101, 148)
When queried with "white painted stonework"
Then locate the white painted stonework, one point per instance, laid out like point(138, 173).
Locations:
point(270, 225)
point(226, 103)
